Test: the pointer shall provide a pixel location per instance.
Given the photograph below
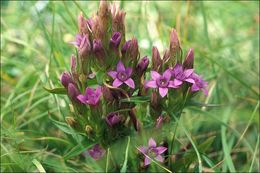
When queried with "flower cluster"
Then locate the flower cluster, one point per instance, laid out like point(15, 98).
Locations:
point(107, 79)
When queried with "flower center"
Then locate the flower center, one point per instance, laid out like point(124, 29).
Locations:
point(122, 76)
point(152, 152)
point(162, 82)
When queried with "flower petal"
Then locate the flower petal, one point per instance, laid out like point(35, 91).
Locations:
point(151, 142)
point(129, 71)
point(120, 66)
point(89, 91)
point(163, 91)
point(112, 74)
point(130, 83)
point(167, 74)
point(159, 158)
point(155, 75)
point(98, 90)
point(188, 72)
point(146, 161)
point(172, 85)
point(143, 149)
point(177, 82)
point(150, 84)
point(194, 87)
point(117, 83)
point(205, 91)
point(161, 149)
point(177, 69)
point(81, 98)
point(189, 80)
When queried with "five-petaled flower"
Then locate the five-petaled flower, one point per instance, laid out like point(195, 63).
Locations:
point(162, 82)
point(122, 75)
point(152, 152)
point(181, 75)
point(91, 96)
point(113, 118)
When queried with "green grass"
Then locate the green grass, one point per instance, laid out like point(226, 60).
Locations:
point(34, 52)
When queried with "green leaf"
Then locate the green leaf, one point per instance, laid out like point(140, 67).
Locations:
point(38, 165)
point(56, 90)
point(100, 75)
point(123, 169)
point(75, 151)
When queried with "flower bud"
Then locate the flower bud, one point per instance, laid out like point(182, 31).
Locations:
point(159, 122)
point(66, 79)
point(125, 47)
point(89, 130)
point(98, 49)
point(81, 23)
point(175, 49)
point(142, 66)
point(166, 56)
point(115, 40)
point(107, 94)
point(133, 50)
point(71, 121)
point(189, 60)
point(84, 47)
point(118, 17)
point(136, 123)
point(73, 92)
point(113, 118)
point(156, 59)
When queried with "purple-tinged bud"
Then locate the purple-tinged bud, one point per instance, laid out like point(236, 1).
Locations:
point(107, 94)
point(156, 59)
point(96, 152)
point(118, 17)
point(115, 40)
point(98, 49)
point(175, 48)
point(142, 66)
point(125, 47)
point(136, 123)
point(73, 64)
point(90, 23)
point(189, 60)
point(166, 56)
point(84, 47)
point(82, 24)
point(159, 122)
point(174, 40)
point(133, 50)
point(73, 92)
point(113, 118)
point(66, 79)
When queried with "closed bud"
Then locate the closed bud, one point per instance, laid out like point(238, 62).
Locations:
point(73, 64)
point(118, 17)
point(142, 66)
point(113, 119)
point(125, 47)
point(107, 94)
point(89, 130)
point(73, 92)
point(175, 48)
point(71, 121)
point(156, 59)
point(189, 60)
point(133, 50)
point(166, 56)
point(133, 117)
point(115, 40)
point(98, 49)
point(85, 47)
point(66, 79)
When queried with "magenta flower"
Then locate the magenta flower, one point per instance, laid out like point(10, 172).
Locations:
point(91, 96)
point(96, 152)
point(162, 82)
point(199, 84)
point(152, 151)
point(122, 75)
point(113, 118)
point(180, 75)
point(115, 39)
point(66, 79)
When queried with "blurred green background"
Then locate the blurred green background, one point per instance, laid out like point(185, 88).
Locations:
point(35, 50)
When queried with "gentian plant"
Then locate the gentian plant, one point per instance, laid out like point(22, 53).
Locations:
point(112, 89)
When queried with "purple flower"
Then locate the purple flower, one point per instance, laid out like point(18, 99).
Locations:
point(122, 75)
point(189, 60)
point(161, 81)
point(113, 118)
point(91, 96)
point(96, 152)
point(180, 75)
point(199, 84)
point(115, 39)
point(152, 151)
point(142, 65)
